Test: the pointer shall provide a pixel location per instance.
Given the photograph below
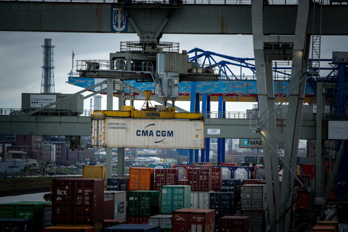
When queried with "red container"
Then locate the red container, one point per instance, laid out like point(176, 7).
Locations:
point(77, 201)
point(308, 169)
point(188, 220)
point(200, 179)
point(167, 176)
point(109, 208)
point(252, 181)
point(112, 222)
point(302, 200)
point(234, 224)
point(216, 177)
point(183, 182)
point(137, 220)
point(227, 164)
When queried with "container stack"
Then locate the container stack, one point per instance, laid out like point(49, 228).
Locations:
point(223, 204)
point(254, 204)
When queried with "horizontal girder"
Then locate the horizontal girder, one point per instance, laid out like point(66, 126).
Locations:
point(190, 19)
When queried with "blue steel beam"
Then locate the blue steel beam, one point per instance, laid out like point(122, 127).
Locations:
point(206, 113)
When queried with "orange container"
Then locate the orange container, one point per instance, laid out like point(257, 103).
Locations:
point(141, 178)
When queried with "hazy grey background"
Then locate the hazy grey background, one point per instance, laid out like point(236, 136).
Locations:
point(22, 57)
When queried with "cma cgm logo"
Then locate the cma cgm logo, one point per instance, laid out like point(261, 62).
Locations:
point(118, 20)
point(161, 134)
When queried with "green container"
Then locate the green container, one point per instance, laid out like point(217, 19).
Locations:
point(174, 197)
point(33, 210)
point(143, 203)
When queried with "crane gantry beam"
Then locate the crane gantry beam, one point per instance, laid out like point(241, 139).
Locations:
point(189, 19)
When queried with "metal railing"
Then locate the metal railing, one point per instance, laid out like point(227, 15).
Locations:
point(162, 46)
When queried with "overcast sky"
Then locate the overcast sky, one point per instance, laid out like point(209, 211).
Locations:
point(22, 56)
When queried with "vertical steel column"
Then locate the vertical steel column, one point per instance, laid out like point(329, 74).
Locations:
point(319, 156)
point(340, 108)
point(294, 117)
point(223, 140)
point(220, 140)
point(264, 89)
point(207, 140)
point(204, 112)
point(109, 106)
point(192, 110)
point(197, 111)
point(120, 151)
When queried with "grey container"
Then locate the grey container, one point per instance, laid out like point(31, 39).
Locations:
point(163, 221)
point(253, 197)
point(73, 105)
point(200, 200)
point(119, 198)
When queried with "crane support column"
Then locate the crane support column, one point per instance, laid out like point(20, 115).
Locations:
point(206, 113)
point(120, 151)
point(265, 91)
point(300, 53)
point(319, 157)
point(221, 141)
point(109, 106)
point(266, 49)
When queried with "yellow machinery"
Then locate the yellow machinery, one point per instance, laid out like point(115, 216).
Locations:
point(147, 111)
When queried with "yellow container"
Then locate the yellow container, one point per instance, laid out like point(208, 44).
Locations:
point(95, 172)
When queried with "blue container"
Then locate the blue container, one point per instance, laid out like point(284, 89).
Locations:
point(223, 204)
point(241, 173)
point(228, 185)
point(117, 184)
point(133, 228)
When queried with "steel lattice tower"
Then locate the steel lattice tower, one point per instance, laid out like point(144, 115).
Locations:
point(47, 82)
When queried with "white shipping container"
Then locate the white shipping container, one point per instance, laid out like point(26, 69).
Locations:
point(200, 200)
point(145, 133)
point(120, 203)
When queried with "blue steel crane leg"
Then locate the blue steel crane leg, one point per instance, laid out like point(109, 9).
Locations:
point(207, 140)
point(192, 110)
point(223, 139)
point(204, 112)
point(220, 140)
